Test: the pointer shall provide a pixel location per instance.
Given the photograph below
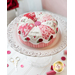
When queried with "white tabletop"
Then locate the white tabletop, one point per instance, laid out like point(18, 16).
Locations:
point(31, 70)
point(28, 69)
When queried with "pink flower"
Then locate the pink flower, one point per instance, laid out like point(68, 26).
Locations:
point(51, 67)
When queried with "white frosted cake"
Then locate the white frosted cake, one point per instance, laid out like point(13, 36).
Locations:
point(37, 29)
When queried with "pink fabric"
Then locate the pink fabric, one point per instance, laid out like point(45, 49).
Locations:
point(46, 31)
point(56, 6)
point(51, 72)
point(26, 28)
point(31, 16)
point(37, 46)
point(47, 18)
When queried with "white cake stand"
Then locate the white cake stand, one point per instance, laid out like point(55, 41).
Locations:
point(44, 55)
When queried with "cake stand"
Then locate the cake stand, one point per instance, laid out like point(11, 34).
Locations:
point(44, 55)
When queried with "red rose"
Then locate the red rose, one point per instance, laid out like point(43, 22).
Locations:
point(51, 36)
point(27, 38)
point(56, 29)
point(40, 40)
point(12, 4)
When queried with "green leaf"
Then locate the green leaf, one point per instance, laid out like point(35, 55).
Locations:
point(49, 39)
point(25, 39)
point(38, 41)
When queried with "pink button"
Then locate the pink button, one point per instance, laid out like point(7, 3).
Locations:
point(65, 52)
point(22, 66)
point(7, 65)
point(8, 52)
point(38, 23)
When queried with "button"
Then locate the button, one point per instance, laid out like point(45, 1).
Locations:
point(37, 23)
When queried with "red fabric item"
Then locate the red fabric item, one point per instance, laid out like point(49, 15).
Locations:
point(51, 67)
point(12, 4)
point(51, 72)
point(31, 16)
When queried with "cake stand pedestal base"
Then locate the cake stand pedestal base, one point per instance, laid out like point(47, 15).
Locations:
point(39, 61)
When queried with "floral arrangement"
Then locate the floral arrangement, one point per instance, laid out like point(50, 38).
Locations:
point(12, 4)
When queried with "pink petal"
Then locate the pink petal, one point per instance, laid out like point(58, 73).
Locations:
point(8, 52)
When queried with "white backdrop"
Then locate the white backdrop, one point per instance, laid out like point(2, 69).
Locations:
point(29, 5)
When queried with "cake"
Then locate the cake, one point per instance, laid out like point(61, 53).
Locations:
point(37, 29)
